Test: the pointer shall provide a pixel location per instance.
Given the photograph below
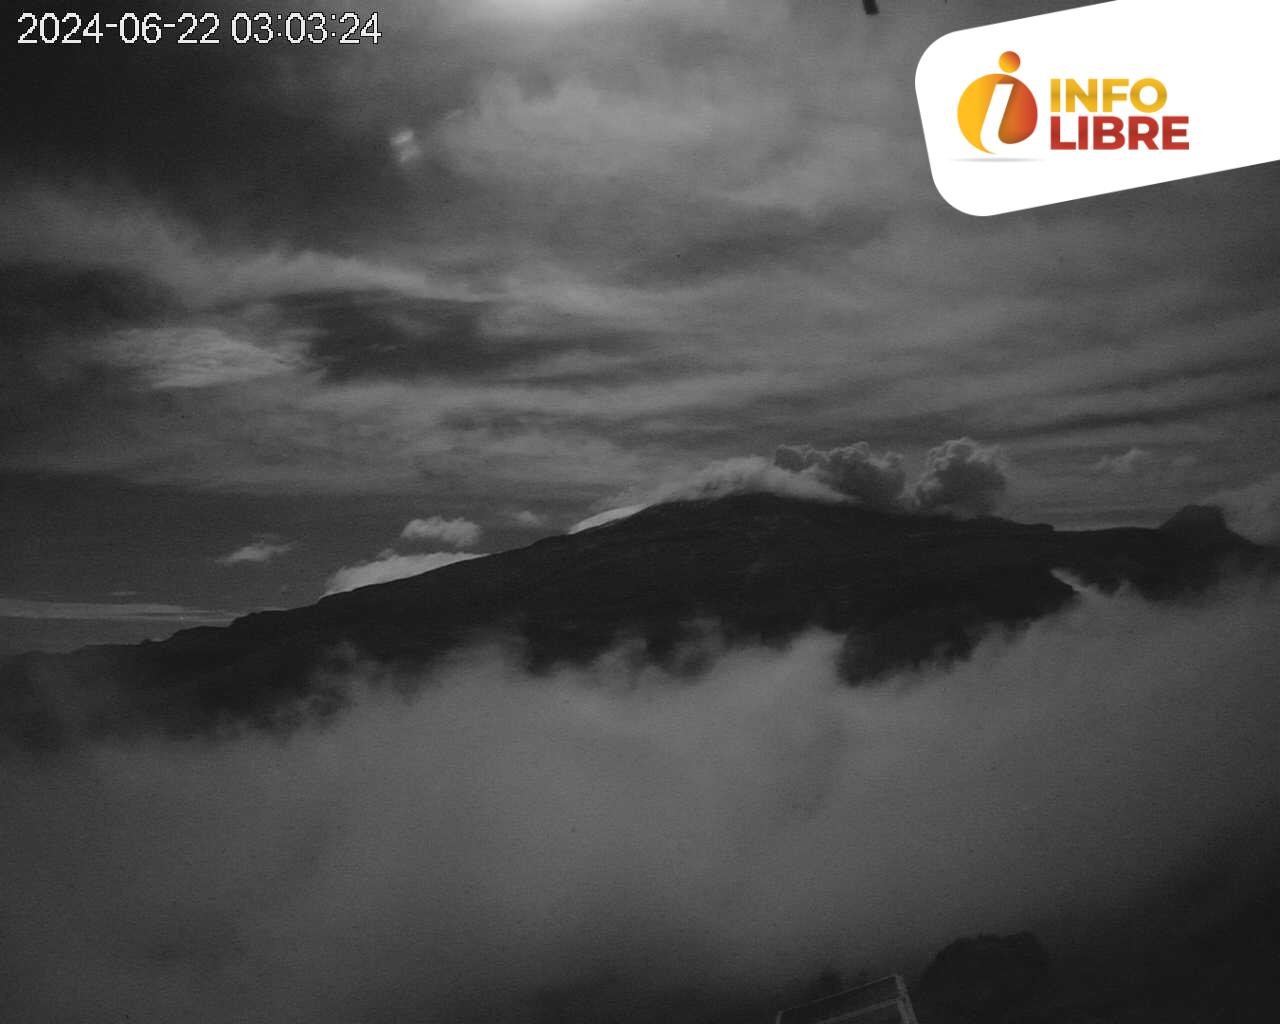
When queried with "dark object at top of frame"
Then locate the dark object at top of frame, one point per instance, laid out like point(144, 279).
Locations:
point(881, 1002)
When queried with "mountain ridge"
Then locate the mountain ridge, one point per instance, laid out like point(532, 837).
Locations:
point(759, 568)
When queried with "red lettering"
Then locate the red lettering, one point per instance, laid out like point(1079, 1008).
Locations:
point(1143, 130)
point(1055, 135)
point(1175, 132)
point(1108, 132)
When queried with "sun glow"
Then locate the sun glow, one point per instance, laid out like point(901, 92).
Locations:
point(544, 9)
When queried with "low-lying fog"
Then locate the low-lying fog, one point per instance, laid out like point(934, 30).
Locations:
point(615, 844)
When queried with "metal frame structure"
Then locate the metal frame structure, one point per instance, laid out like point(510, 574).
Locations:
point(854, 1004)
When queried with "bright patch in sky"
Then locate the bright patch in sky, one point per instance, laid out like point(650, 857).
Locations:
point(545, 8)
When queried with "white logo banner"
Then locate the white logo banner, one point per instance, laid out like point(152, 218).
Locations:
point(1099, 99)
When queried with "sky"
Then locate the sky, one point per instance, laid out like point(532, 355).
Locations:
point(264, 308)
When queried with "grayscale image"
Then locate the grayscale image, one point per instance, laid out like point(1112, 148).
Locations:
point(538, 512)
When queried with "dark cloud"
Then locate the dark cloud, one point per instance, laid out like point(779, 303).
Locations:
point(244, 140)
point(385, 335)
point(380, 334)
point(745, 245)
point(41, 301)
point(51, 317)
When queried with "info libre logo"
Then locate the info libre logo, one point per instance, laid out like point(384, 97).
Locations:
point(998, 111)
point(1098, 98)
point(1001, 101)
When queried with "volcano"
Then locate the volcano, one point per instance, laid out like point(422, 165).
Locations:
point(904, 590)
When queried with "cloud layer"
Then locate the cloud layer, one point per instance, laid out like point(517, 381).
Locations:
point(959, 477)
point(854, 470)
point(132, 611)
point(611, 844)
point(547, 249)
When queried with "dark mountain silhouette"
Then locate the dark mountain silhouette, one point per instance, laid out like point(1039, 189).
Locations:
point(1202, 525)
point(1224, 970)
point(988, 979)
point(759, 568)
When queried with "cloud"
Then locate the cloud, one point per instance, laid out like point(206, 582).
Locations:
point(529, 519)
point(660, 198)
point(405, 147)
point(259, 552)
point(614, 844)
point(855, 470)
point(1128, 464)
point(456, 533)
point(611, 515)
point(961, 476)
point(99, 229)
point(391, 566)
point(87, 611)
point(1253, 511)
point(194, 357)
point(746, 475)
point(749, 475)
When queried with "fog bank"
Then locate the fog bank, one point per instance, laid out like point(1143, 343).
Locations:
point(613, 843)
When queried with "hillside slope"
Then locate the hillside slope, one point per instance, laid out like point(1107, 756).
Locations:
point(758, 568)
